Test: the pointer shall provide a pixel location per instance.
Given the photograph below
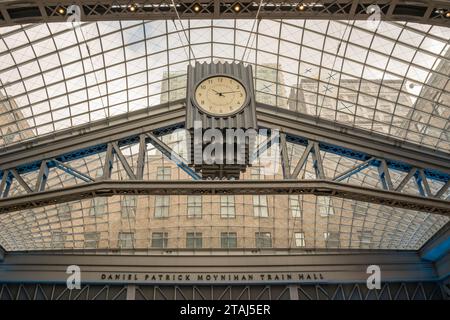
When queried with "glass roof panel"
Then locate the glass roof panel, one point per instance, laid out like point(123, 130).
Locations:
point(393, 81)
point(394, 77)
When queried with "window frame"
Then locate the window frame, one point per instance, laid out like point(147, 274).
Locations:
point(196, 238)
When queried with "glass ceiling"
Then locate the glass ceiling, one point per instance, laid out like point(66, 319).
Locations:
point(154, 224)
point(393, 81)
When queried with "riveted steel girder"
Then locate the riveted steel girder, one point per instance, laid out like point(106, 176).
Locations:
point(317, 187)
point(108, 135)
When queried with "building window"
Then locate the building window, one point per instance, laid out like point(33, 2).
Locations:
point(160, 239)
point(227, 209)
point(360, 209)
point(420, 126)
point(194, 209)
point(299, 239)
point(97, 173)
point(263, 239)
point(194, 240)
point(126, 240)
point(10, 136)
point(58, 239)
point(128, 206)
point(64, 211)
point(162, 206)
point(365, 236)
point(163, 173)
point(325, 206)
point(91, 240)
point(331, 239)
point(98, 206)
point(294, 205)
point(228, 240)
point(260, 206)
point(179, 143)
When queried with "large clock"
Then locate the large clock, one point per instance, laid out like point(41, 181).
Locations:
point(220, 95)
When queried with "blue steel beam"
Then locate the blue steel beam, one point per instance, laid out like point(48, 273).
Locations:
point(72, 171)
point(266, 144)
point(344, 152)
point(430, 173)
point(338, 150)
point(355, 143)
point(175, 158)
point(92, 150)
point(353, 170)
point(361, 156)
point(438, 246)
point(5, 183)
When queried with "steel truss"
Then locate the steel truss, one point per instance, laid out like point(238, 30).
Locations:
point(143, 127)
point(421, 11)
point(344, 291)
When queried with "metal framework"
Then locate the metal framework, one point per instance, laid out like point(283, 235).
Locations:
point(437, 247)
point(317, 187)
point(143, 127)
point(18, 12)
point(338, 275)
point(344, 291)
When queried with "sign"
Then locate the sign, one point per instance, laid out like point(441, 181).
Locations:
point(215, 278)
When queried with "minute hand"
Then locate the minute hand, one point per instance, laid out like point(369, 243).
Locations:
point(230, 92)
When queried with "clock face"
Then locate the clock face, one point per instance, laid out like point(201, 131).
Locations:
point(220, 95)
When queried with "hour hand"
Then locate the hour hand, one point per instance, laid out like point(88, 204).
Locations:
point(217, 92)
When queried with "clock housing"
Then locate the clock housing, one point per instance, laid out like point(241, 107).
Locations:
point(244, 117)
point(240, 116)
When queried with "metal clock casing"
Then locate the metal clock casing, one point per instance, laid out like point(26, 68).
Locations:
point(244, 117)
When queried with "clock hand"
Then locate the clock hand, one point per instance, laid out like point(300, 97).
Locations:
point(217, 92)
point(229, 92)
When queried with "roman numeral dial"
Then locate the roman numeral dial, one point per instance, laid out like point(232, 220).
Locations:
point(220, 95)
